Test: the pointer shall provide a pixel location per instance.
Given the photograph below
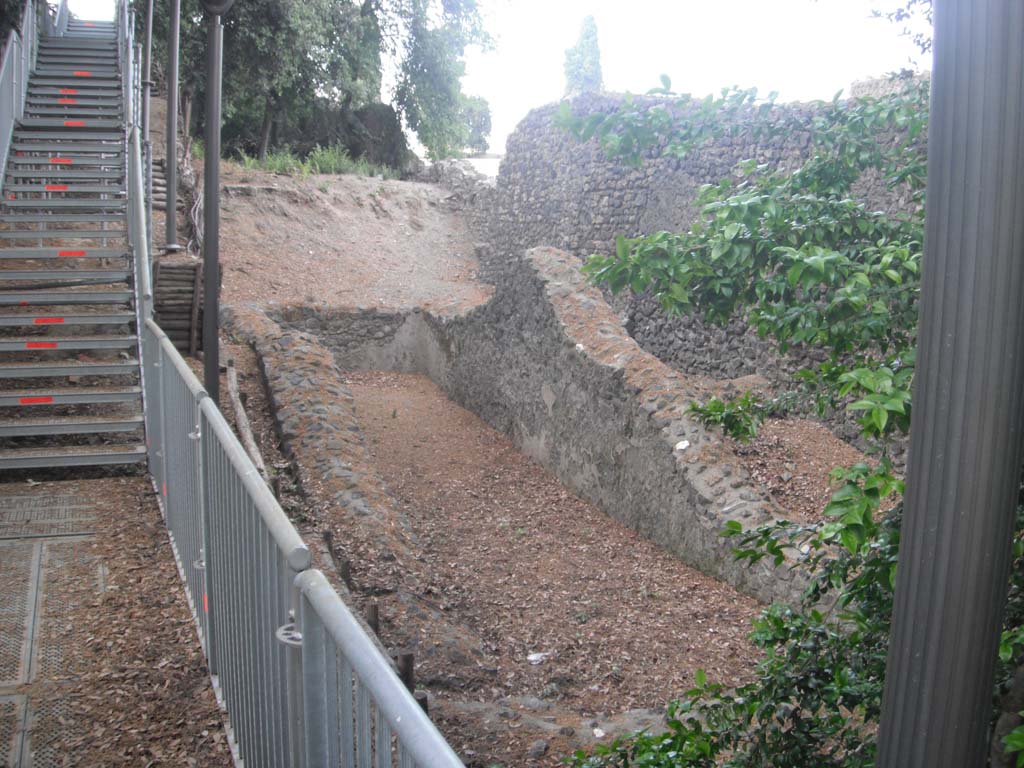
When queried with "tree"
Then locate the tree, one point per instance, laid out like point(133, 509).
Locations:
point(296, 73)
point(916, 18)
point(583, 62)
point(476, 116)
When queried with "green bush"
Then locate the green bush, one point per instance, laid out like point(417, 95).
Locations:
point(322, 160)
point(802, 262)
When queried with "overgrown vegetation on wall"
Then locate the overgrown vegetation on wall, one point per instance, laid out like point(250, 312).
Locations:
point(793, 253)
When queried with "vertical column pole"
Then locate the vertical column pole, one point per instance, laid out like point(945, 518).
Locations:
point(211, 210)
point(147, 145)
point(171, 160)
point(965, 450)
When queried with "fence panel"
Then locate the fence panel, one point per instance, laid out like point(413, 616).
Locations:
point(253, 556)
point(340, 666)
point(181, 395)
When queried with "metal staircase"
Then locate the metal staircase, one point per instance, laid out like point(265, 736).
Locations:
point(70, 384)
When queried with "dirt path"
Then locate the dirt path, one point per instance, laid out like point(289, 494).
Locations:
point(617, 622)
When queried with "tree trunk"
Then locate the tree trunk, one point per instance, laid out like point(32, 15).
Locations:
point(268, 122)
point(186, 111)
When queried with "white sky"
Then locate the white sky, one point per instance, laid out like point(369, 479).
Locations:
point(804, 49)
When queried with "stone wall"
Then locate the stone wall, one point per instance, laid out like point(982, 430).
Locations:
point(552, 190)
point(547, 361)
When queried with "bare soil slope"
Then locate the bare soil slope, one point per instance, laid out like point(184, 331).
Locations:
point(345, 241)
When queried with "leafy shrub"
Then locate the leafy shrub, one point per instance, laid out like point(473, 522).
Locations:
point(805, 264)
point(738, 417)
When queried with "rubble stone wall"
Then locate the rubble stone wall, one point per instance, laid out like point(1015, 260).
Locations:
point(547, 361)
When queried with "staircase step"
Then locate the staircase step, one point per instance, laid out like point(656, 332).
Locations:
point(73, 42)
point(70, 425)
point(55, 134)
point(62, 253)
point(72, 77)
point(69, 395)
point(60, 368)
point(79, 153)
point(67, 158)
point(33, 343)
point(66, 100)
point(81, 90)
point(114, 275)
point(36, 321)
point(65, 174)
point(58, 188)
point(72, 456)
point(66, 188)
point(33, 298)
point(59, 218)
point(33, 123)
point(64, 234)
point(82, 111)
point(63, 205)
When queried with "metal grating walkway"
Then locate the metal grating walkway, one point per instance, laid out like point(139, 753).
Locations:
point(44, 544)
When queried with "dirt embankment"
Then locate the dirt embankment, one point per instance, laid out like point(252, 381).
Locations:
point(344, 241)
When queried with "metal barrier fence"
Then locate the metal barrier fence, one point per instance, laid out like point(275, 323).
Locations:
point(19, 58)
point(302, 683)
point(352, 700)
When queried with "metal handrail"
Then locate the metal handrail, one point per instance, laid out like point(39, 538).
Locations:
point(57, 24)
point(267, 624)
point(339, 663)
point(18, 61)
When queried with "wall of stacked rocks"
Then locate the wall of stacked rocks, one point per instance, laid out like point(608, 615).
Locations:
point(554, 190)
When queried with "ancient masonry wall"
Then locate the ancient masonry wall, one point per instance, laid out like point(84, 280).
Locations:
point(552, 190)
point(547, 361)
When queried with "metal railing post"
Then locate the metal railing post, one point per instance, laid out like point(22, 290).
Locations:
point(171, 162)
point(211, 211)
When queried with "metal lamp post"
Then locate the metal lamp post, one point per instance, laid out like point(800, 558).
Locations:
point(171, 161)
point(211, 200)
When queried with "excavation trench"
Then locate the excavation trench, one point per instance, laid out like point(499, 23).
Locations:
point(520, 491)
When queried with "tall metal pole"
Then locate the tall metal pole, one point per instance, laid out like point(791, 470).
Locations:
point(965, 450)
point(147, 70)
point(211, 201)
point(171, 160)
point(147, 144)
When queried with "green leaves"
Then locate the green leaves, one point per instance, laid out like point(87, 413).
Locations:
point(739, 417)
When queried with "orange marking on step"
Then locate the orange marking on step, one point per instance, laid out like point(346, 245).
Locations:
point(48, 320)
point(67, 101)
point(89, 24)
point(62, 160)
point(206, 603)
point(165, 489)
point(13, 196)
point(40, 345)
point(74, 123)
point(71, 253)
point(56, 187)
point(22, 303)
point(34, 400)
point(82, 73)
point(68, 91)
